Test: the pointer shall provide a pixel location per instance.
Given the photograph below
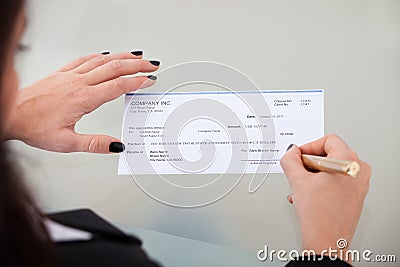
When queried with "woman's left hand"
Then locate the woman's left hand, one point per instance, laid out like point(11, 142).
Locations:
point(47, 111)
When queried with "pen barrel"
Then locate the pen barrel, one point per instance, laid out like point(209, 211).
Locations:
point(347, 167)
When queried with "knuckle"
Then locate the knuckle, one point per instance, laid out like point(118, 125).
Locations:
point(116, 65)
point(90, 56)
point(334, 137)
point(83, 98)
point(368, 169)
point(282, 163)
point(76, 80)
point(353, 155)
point(365, 175)
point(121, 84)
point(84, 58)
point(346, 151)
point(80, 95)
point(87, 57)
point(94, 145)
point(283, 160)
point(101, 60)
point(56, 75)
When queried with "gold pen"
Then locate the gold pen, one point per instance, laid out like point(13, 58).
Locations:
point(348, 167)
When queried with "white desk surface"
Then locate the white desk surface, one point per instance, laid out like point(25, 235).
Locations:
point(175, 251)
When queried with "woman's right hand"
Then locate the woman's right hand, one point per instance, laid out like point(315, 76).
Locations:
point(328, 205)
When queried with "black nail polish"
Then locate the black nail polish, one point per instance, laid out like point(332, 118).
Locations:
point(289, 147)
point(152, 77)
point(116, 147)
point(105, 53)
point(137, 53)
point(155, 62)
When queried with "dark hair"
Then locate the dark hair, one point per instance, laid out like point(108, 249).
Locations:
point(23, 238)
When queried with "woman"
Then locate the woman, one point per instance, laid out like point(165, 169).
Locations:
point(71, 92)
point(23, 239)
point(328, 205)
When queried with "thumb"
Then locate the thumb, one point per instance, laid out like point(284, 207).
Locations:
point(292, 164)
point(102, 144)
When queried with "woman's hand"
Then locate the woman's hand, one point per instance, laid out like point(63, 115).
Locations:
point(328, 205)
point(47, 111)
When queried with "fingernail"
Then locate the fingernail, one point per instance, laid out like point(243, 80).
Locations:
point(116, 147)
point(105, 53)
point(152, 77)
point(290, 198)
point(137, 53)
point(155, 62)
point(289, 147)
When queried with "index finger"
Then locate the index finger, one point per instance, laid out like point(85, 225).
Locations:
point(331, 146)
